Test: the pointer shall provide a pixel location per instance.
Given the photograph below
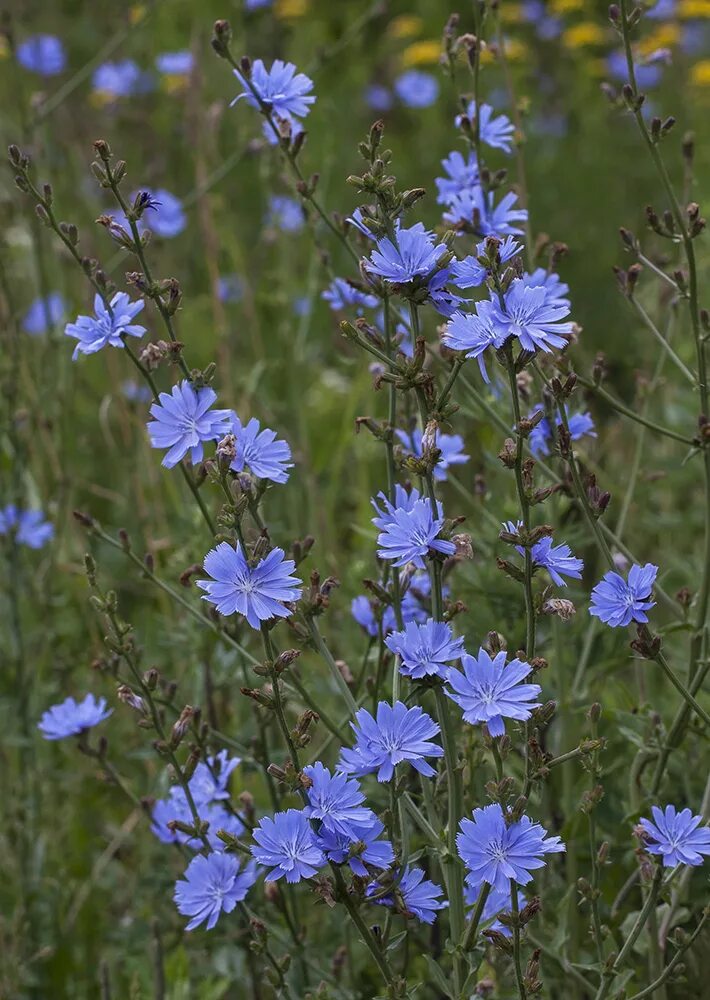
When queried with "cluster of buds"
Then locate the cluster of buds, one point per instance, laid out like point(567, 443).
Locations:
point(154, 353)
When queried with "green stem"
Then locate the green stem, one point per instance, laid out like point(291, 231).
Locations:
point(516, 940)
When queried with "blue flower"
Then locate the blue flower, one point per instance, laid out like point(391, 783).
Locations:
point(555, 289)
point(183, 422)
point(29, 526)
point(335, 801)
point(230, 288)
point(176, 808)
point(416, 89)
point(341, 295)
point(262, 452)
point(496, 131)
point(288, 846)
point(462, 173)
point(442, 298)
point(106, 327)
point(42, 54)
point(489, 691)
point(378, 97)
point(73, 717)
point(676, 837)
point(362, 611)
point(496, 853)
point(358, 849)
point(397, 735)
point(470, 272)
point(473, 333)
point(257, 4)
point(282, 90)
point(257, 592)
point(477, 210)
point(136, 393)
point(357, 220)
point(43, 314)
point(285, 213)
point(557, 560)
point(211, 777)
point(450, 445)
point(411, 534)
point(529, 317)
point(647, 75)
point(175, 63)
point(167, 218)
point(413, 255)
point(403, 500)
point(580, 425)
point(425, 649)
point(618, 603)
point(496, 904)
point(413, 895)
point(210, 885)
point(120, 79)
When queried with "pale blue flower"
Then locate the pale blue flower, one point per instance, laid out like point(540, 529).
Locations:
point(677, 836)
point(260, 451)
point(425, 648)
point(73, 717)
point(43, 54)
point(212, 885)
point(416, 89)
point(488, 691)
point(184, 420)
point(258, 592)
point(397, 735)
point(108, 326)
point(287, 845)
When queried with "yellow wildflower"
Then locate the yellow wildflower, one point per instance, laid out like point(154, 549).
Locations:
point(566, 6)
point(288, 10)
point(664, 37)
point(694, 8)
point(422, 53)
point(583, 34)
point(405, 26)
point(136, 13)
point(700, 74)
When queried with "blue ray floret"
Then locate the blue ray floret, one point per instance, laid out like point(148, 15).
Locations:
point(497, 852)
point(72, 717)
point(476, 210)
point(471, 273)
point(359, 849)
point(397, 735)
point(287, 845)
point(258, 592)
point(450, 445)
point(489, 691)
point(108, 326)
point(618, 602)
point(413, 254)
point(335, 800)
point(527, 315)
point(212, 885)
point(474, 333)
point(28, 526)
point(677, 837)
point(425, 649)
point(282, 90)
point(411, 533)
point(183, 421)
point(497, 131)
point(413, 895)
point(260, 451)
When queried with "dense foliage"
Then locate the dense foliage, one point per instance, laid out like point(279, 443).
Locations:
point(355, 517)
